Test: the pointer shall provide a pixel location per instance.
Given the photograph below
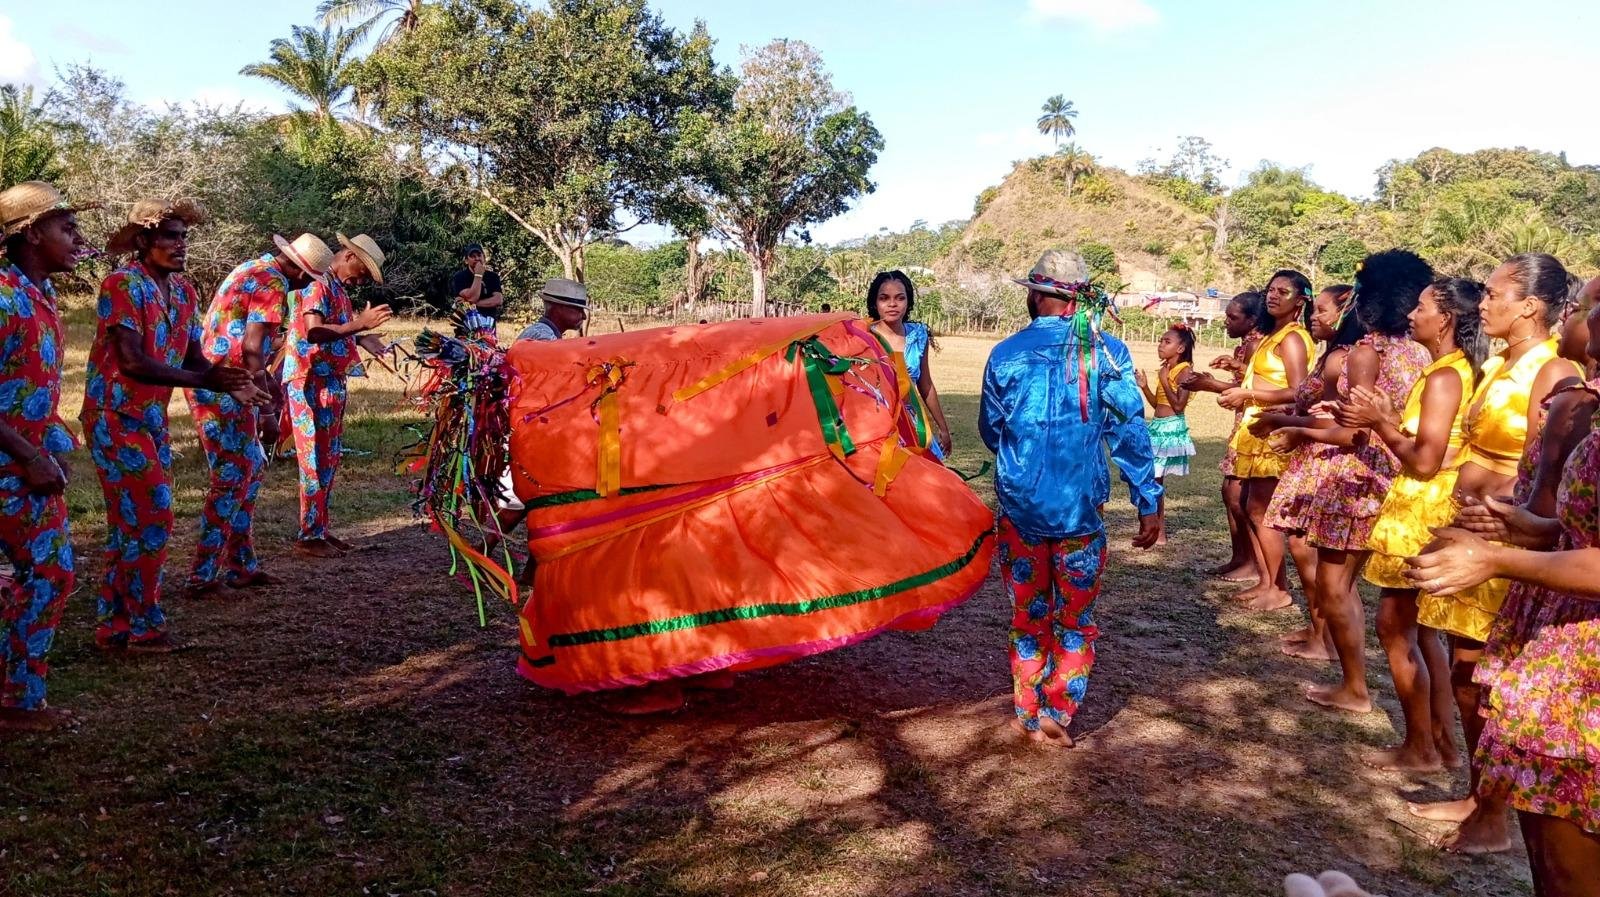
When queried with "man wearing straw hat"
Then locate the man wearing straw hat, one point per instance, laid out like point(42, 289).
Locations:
point(322, 352)
point(40, 229)
point(1055, 397)
point(147, 342)
point(247, 311)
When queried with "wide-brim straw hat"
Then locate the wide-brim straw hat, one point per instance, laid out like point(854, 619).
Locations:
point(149, 213)
point(25, 203)
point(1056, 272)
point(309, 252)
point(562, 291)
point(366, 249)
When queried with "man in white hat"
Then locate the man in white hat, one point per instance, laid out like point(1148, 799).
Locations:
point(147, 342)
point(566, 307)
point(322, 352)
point(40, 229)
point(246, 313)
point(1056, 396)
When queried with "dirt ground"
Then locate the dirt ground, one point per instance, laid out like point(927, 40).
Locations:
point(353, 731)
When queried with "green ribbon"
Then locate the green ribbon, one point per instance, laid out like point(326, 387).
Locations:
point(771, 609)
point(820, 364)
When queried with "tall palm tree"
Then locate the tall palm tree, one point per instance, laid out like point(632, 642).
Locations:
point(1057, 118)
point(407, 14)
point(27, 140)
point(1074, 164)
point(315, 66)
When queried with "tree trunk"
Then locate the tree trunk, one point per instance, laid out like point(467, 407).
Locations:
point(760, 267)
point(571, 257)
point(694, 276)
point(1071, 179)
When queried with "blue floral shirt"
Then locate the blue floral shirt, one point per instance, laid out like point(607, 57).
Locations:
point(1051, 475)
point(31, 351)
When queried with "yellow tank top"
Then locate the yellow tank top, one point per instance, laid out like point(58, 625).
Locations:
point(1411, 418)
point(1497, 423)
point(1172, 380)
point(1266, 368)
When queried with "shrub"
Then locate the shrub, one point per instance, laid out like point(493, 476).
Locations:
point(1101, 259)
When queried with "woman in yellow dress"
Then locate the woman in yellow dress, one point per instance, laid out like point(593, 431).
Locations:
point(1522, 300)
point(1426, 437)
point(1280, 361)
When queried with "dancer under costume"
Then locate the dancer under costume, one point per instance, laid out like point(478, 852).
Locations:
point(1052, 480)
point(41, 239)
point(1523, 299)
point(322, 354)
point(891, 298)
point(246, 312)
point(147, 342)
point(1426, 437)
point(1169, 429)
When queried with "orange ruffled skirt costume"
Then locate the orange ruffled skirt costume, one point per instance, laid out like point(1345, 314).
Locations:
point(729, 496)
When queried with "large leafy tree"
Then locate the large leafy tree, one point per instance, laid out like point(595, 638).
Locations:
point(28, 145)
point(1057, 118)
point(316, 66)
point(565, 118)
point(793, 153)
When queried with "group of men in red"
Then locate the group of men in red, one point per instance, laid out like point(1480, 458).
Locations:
point(153, 336)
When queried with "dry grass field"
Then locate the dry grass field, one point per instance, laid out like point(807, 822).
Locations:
point(354, 732)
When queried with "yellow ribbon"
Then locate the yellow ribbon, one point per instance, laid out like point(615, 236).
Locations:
point(751, 359)
point(890, 462)
point(608, 475)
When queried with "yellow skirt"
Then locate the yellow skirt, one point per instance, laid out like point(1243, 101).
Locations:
point(1468, 614)
point(1402, 531)
point(1253, 457)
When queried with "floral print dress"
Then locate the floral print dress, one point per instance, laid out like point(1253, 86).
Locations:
point(1541, 668)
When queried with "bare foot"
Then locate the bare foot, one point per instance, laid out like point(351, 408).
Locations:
point(1448, 755)
point(1254, 591)
point(161, 644)
point(1444, 810)
point(201, 591)
point(1310, 651)
point(1273, 599)
point(1050, 733)
point(340, 544)
point(1339, 697)
point(662, 697)
point(1017, 728)
point(48, 719)
point(317, 548)
point(1480, 834)
point(1298, 637)
point(1403, 759)
point(1161, 539)
point(1244, 571)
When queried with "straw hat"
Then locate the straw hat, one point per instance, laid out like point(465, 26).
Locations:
point(149, 213)
point(1056, 272)
point(309, 252)
point(367, 250)
point(27, 202)
point(562, 291)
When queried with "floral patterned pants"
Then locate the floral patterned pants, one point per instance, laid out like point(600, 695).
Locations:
point(316, 415)
point(35, 538)
point(134, 462)
point(1053, 584)
point(228, 433)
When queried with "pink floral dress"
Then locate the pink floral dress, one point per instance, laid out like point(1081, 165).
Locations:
point(1297, 487)
point(1541, 668)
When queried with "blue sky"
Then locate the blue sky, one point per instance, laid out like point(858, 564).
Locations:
point(955, 85)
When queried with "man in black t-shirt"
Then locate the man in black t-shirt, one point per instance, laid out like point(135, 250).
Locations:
point(476, 286)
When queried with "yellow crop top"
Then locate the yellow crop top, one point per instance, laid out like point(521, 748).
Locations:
point(1173, 379)
point(1411, 418)
point(1497, 424)
point(1266, 368)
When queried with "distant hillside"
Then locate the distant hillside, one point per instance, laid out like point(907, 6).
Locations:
point(1157, 242)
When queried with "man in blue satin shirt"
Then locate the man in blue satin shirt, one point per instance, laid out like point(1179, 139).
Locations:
point(1056, 397)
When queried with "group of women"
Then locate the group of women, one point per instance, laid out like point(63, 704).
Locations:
point(1379, 437)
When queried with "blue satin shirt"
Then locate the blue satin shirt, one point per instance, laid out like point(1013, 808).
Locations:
point(1051, 474)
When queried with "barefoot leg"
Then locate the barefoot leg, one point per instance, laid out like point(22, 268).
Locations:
point(1562, 855)
point(1486, 829)
point(1341, 604)
point(1241, 564)
point(1397, 630)
point(1441, 699)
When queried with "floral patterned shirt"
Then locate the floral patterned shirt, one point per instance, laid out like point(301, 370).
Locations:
point(31, 349)
point(166, 327)
point(256, 292)
point(303, 358)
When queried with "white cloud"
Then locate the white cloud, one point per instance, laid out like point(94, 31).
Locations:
point(88, 40)
point(1100, 15)
point(17, 62)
